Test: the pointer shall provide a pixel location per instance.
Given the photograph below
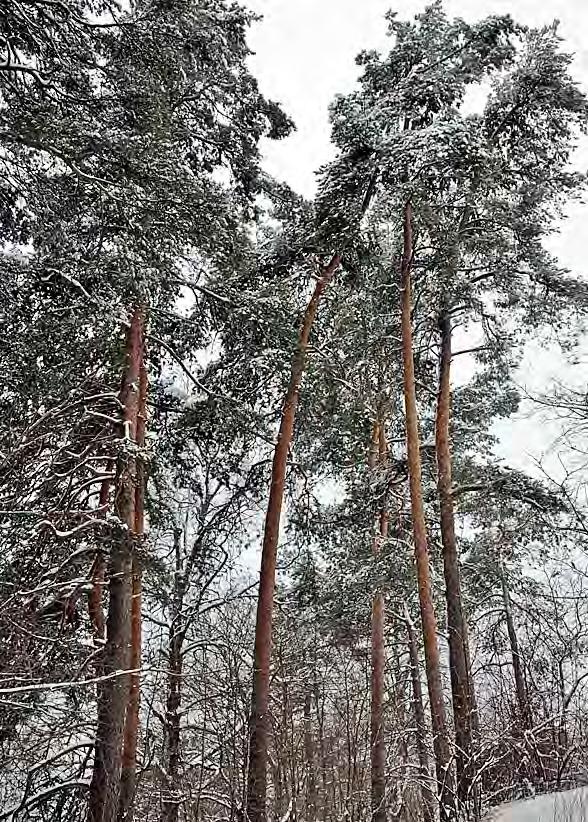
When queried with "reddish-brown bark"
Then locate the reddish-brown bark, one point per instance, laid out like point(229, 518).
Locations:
point(259, 720)
point(113, 693)
point(131, 727)
point(429, 623)
point(456, 624)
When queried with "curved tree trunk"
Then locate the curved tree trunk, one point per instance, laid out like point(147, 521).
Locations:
point(113, 694)
point(456, 625)
point(259, 720)
point(429, 623)
point(378, 455)
point(131, 728)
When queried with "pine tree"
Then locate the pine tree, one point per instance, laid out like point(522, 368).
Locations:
point(116, 172)
point(257, 766)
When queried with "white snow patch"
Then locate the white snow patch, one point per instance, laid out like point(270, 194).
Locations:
point(568, 806)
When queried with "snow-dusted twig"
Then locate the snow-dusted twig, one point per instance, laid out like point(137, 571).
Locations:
point(60, 686)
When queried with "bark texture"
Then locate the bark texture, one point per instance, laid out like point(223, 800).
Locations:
point(445, 781)
point(131, 728)
point(259, 719)
point(113, 693)
point(461, 685)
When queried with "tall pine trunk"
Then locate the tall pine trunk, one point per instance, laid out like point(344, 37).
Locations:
point(377, 456)
point(259, 720)
point(441, 745)
point(419, 719)
point(131, 728)
point(461, 683)
point(113, 693)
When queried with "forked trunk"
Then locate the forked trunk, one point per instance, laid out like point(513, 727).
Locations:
point(113, 693)
point(131, 729)
point(259, 720)
point(377, 456)
point(441, 745)
point(456, 624)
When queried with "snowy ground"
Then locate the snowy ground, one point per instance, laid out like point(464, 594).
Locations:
point(569, 806)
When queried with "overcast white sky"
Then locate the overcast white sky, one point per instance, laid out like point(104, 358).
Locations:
point(304, 54)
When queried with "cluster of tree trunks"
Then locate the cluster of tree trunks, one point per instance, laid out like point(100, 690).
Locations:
point(118, 638)
point(462, 690)
point(441, 743)
point(461, 683)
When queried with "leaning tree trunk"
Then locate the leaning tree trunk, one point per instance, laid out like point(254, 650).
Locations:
point(456, 624)
point(429, 623)
point(131, 727)
point(113, 693)
point(259, 720)
point(378, 743)
point(427, 796)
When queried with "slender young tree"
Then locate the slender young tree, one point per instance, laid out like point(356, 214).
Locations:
point(524, 708)
point(309, 756)
point(169, 807)
point(377, 460)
